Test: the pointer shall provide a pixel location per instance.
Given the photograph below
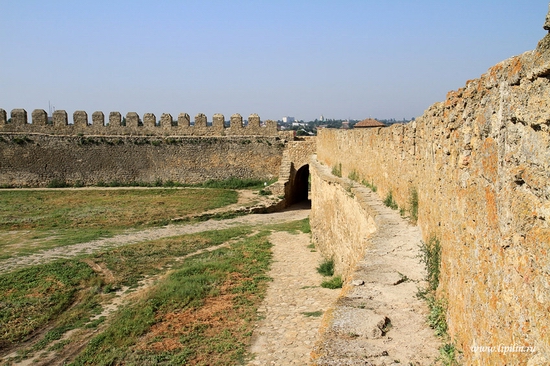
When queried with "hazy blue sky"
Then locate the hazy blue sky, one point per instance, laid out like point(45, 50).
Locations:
point(340, 58)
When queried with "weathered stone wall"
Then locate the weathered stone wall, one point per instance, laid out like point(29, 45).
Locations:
point(38, 159)
point(341, 219)
point(480, 162)
point(296, 156)
point(149, 126)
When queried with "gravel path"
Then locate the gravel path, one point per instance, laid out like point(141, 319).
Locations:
point(293, 306)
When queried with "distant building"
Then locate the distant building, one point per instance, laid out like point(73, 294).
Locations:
point(369, 123)
point(345, 125)
point(322, 118)
point(288, 119)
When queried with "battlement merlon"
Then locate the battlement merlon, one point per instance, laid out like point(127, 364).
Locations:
point(132, 124)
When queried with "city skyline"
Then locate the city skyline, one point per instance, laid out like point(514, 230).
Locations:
point(342, 60)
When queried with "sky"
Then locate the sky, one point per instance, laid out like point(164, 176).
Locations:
point(341, 59)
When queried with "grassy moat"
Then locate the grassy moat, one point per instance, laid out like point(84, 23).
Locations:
point(182, 299)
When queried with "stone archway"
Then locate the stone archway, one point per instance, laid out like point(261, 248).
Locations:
point(299, 185)
point(293, 181)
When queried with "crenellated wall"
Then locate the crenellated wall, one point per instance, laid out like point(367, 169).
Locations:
point(81, 124)
point(40, 159)
point(480, 162)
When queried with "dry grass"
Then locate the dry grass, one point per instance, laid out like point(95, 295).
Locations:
point(35, 220)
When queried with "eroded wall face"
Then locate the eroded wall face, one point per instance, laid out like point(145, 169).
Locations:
point(480, 162)
point(37, 160)
point(340, 224)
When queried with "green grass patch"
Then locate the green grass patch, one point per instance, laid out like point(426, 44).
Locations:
point(33, 296)
point(333, 283)
point(236, 183)
point(67, 293)
point(326, 268)
point(35, 220)
point(294, 227)
point(220, 291)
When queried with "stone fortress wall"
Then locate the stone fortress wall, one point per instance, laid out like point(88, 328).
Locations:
point(39, 153)
point(480, 162)
point(134, 125)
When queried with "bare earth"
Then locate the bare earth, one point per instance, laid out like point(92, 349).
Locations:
point(293, 306)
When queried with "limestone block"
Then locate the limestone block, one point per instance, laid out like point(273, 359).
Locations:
point(359, 322)
point(3, 119)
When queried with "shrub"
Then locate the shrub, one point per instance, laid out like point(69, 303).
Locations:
point(57, 183)
point(326, 268)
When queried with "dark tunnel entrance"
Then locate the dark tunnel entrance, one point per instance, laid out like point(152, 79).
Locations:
point(300, 186)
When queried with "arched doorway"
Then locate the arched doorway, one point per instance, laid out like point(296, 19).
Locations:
point(299, 188)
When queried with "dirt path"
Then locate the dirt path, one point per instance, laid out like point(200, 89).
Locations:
point(246, 199)
point(293, 306)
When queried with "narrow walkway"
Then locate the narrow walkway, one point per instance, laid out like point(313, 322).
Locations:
point(379, 320)
point(293, 306)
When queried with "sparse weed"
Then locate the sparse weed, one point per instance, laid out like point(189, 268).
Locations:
point(390, 202)
point(413, 205)
point(431, 257)
point(369, 185)
point(448, 354)
point(337, 170)
point(353, 175)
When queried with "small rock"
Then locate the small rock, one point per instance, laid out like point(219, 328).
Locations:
point(357, 282)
